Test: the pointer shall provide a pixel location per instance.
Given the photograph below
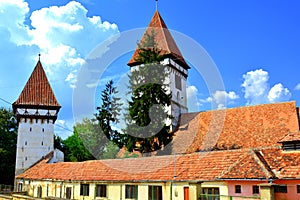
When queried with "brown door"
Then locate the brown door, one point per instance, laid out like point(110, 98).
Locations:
point(68, 192)
point(186, 193)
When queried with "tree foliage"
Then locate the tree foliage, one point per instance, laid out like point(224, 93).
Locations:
point(109, 112)
point(74, 150)
point(148, 87)
point(8, 143)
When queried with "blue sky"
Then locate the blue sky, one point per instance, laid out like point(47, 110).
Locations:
point(255, 46)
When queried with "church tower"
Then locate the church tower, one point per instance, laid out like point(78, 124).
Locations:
point(36, 110)
point(173, 59)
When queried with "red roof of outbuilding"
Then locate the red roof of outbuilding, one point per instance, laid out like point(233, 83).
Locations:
point(37, 91)
point(164, 41)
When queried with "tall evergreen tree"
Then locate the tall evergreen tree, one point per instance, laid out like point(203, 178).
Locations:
point(109, 113)
point(146, 130)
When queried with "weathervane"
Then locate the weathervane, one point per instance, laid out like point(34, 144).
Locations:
point(156, 4)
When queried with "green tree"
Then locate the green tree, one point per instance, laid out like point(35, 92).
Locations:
point(95, 140)
point(109, 112)
point(8, 141)
point(148, 87)
point(74, 150)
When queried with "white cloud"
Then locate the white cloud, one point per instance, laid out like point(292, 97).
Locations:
point(192, 100)
point(13, 14)
point(256, 86)
point(63, 34)
point(257, 90)
point(222, 98)
point(297, 87)
point(191, 91)
point(278, 93)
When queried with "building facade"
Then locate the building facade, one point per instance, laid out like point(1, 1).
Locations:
point(36, 110)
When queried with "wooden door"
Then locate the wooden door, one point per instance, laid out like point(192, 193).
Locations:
point(68, 192)
point(186, 193)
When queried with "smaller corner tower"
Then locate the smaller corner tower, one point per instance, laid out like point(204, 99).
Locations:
point(173, 59)
point(36, 111)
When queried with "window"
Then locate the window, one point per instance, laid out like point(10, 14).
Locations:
point(30, 129)
point(280, 189)
point(210, 194)
point(84, 189)
point(255, 189)
point(298, 188)
point(291, 146)
point(131, 192)
point(100, 190)
point(20, 187)
point(177, 82)
point(238, 189)
point(155, 192)
point(39, 192)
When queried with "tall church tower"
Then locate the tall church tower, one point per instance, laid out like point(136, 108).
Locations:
point(36, 110)
point(173, 59)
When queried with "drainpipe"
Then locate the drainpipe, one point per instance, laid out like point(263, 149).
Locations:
point(171, 191)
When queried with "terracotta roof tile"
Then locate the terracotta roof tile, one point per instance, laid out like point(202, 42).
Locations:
point(243, 127)
point(197, 166)
point(164, 40)
point(290, 137)
point(37, 91)
point(283, 164)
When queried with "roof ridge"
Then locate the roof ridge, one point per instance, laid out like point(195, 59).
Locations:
point(262, 163)
point(232, 166)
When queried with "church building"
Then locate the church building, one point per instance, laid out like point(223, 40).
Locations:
point(249, 152)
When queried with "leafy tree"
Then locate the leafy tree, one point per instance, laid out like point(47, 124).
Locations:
point(146, 130)
point(95, 140)
point(8, 141)
point(74, 150)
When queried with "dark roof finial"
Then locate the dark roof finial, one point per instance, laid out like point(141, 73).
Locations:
point(39, 57)
point(156, 4)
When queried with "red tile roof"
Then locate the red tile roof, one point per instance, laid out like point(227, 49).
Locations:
point(163, 39)
point(197, 166)
point(37, 91)
point(290, 137)
point(243, 127)
point(285, 165)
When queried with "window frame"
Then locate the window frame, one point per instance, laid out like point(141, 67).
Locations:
point(84, 189)
point(131, 191)
point(101, 190)
point(291, 146)
point(280, 189)
point(155, 190)
point(255, 189)
point(178, 82)
point(39, 192)
point(238, 189)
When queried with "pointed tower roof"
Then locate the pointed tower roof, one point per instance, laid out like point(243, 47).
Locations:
point(163, 39)
point(37, 91)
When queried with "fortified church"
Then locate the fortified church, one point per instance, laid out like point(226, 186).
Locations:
point(248, 152)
